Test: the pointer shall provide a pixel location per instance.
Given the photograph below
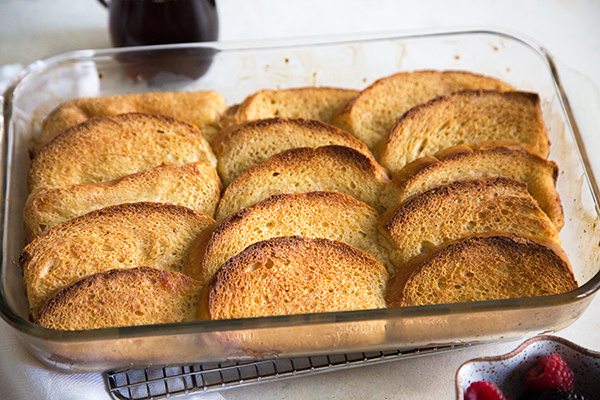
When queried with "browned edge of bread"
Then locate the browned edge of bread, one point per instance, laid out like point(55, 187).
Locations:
point(541, 148)
point(547, 197)
point(171, 280)
point(502, 240)
point(301, 156)
point(276, 248)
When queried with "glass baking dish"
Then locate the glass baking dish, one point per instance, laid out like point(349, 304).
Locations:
point(236, 70)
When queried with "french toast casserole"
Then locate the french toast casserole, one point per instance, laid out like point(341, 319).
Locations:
point(426, 187)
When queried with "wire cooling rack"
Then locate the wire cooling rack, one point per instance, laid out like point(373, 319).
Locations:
point(168, 382)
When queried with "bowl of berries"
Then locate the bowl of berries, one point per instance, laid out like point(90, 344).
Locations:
point(542, 368)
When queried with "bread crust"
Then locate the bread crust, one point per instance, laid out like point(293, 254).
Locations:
point(328, 215)
point(202, 109)
point(550, 271)
point(429, 220)
point(317, 103)
point(242, 146)
point(477, 116)
point(476, 161)
point(118, 237)
point(196, 186)
point(330, 168)
point(134, 296)
point(296, 275)
point(108, 148)
point(372, 113)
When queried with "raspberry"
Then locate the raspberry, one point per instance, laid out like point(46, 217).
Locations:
point(552, 394)
point(550, 372)
point(483, 390)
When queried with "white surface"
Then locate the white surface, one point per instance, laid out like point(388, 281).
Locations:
point(32, 29)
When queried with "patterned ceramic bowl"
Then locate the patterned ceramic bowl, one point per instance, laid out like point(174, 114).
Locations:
point(508, 371)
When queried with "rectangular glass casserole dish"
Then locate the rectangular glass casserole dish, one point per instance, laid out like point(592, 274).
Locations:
point(236, 70)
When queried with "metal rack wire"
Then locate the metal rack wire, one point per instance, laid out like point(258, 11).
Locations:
point(168, 382)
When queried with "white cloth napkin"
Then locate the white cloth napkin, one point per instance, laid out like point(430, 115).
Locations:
point(22, 377)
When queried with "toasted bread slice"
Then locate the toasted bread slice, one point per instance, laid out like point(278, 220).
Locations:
point(202, 109)
point(240, 147)
point(484, 268)
point(372, 113)
point(118, 237)
point(137, 296)
point(295, 275)
point(327, 215)
point(463, 118)
point(196, 186)
point(329, 168)
point(470, 162)
point(318, 103)
point(107, 148)
point(438, 216)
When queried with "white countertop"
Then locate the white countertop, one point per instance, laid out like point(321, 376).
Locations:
point(33, 29)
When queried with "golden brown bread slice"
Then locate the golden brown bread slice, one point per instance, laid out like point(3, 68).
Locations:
point(438, 216)
point(372, 113)
point(202, 109)
point(137, 296)
point(328, 168)
point(240, 147)
point(305, 102)
point(327, 215)
point(483, 268)
point(472, 161)
point(118, 237)
point(295, 275)
point(108, 148)
point(196, 186)
point(463, 118)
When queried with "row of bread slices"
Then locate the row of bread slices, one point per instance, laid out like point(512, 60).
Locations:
point(293, 253)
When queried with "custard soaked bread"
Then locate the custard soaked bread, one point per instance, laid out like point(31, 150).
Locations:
point(137, 296)
point(329, 168)
point(202, 109)
point(472, 161)
point(433, 218)
point(464, 118)
point(196, 186)
point(108, 148)
point(318, 103)
point(240, 147)
point(295, 275)
point(118, 237)
point(372, 113)
point(483, 268)
point(327, 215)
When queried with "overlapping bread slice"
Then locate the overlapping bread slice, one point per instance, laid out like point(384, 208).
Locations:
point(328, 168)
point(108, 148)
point(472, 161)
point(119, 237)
point(296, 275)
point(328, 215)
point(240, 147)
point(451, 212)
point(137, 296)
point(202, 109)
point(463, 118)
point(196, 186)
point(372, 113)
point(496, 266)
point(318, 103)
